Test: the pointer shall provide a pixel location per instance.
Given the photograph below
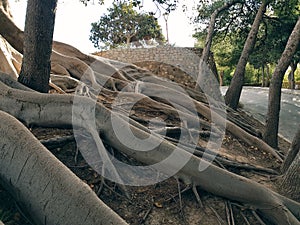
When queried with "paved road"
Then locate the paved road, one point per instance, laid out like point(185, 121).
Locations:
point(255, 101)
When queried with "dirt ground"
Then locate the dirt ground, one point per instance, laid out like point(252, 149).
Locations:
point(157, 204)
point(168, 202)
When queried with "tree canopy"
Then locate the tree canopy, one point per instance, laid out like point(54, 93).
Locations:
point(122, 25)
point(233, 25)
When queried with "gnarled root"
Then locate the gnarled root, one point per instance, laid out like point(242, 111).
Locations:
point(56, 110)
point(47, 189)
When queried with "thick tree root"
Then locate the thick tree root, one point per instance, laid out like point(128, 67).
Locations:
point(69, 61)
point(50, 192)
point(56, 110)
point(80, 112)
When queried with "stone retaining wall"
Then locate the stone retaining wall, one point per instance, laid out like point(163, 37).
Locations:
point(186, 59)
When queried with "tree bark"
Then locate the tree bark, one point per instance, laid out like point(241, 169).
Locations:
point(270, 135)
point(39, 27)
point(291, 76)
point(233, 93)
point(293, 151)
point(45, 187)
point(290, 181)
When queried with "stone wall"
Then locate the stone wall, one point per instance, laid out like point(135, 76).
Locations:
point(186, 59)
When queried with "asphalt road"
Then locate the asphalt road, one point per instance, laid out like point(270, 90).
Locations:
point(255, 101)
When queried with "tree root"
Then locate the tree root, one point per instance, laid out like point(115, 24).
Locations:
point(50, 192)
point(151, 89)
point(111, 78)
point(55, 110)
point(57, 141)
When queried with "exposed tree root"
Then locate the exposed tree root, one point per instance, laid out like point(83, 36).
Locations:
point(55, 110)
point(57, 141)
point(117, 87)
point(50, 192)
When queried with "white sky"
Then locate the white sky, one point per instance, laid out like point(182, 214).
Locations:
point(73, 23)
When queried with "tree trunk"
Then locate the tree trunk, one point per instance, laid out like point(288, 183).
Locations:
point(39, 27)
point(233, 93)
point(128, 37)
point(291, 76)
point(270, 135)
point(45, 187)
point(263, 75)
point(294, 150)
point(290, 181)
point(289, 184)
point(268, 76)
point(206, 50)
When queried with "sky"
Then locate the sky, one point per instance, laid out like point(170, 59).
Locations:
point(73, 23)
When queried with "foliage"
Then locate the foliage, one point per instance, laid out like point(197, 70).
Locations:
point(278, 24)
point(123, 25)
point(233, 25)
point(166, 5)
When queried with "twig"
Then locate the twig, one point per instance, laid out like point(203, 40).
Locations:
point(220, 220)
point(76, 155)
point(258, 218)
point(102, 181)
point(245, 218)
point(199, 151)
point(112, 190)
point(194, 188)
point(147, 214)
point(227, 213)
point(55, 87)
point(57, 141)
point(23, 214)
point(231, 213)
point(179, 195)
point(174, 196)
point(79, 167)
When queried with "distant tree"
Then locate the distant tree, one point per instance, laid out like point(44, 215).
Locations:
point(273, 36)
point(123, 25)
point(209, 37)
point(233, 93)
point(291, 76)
point(228, 23)
point(211, 27)
point(233, 25)
point(270, 135)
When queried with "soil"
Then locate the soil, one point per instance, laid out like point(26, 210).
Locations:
point(168, 202)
